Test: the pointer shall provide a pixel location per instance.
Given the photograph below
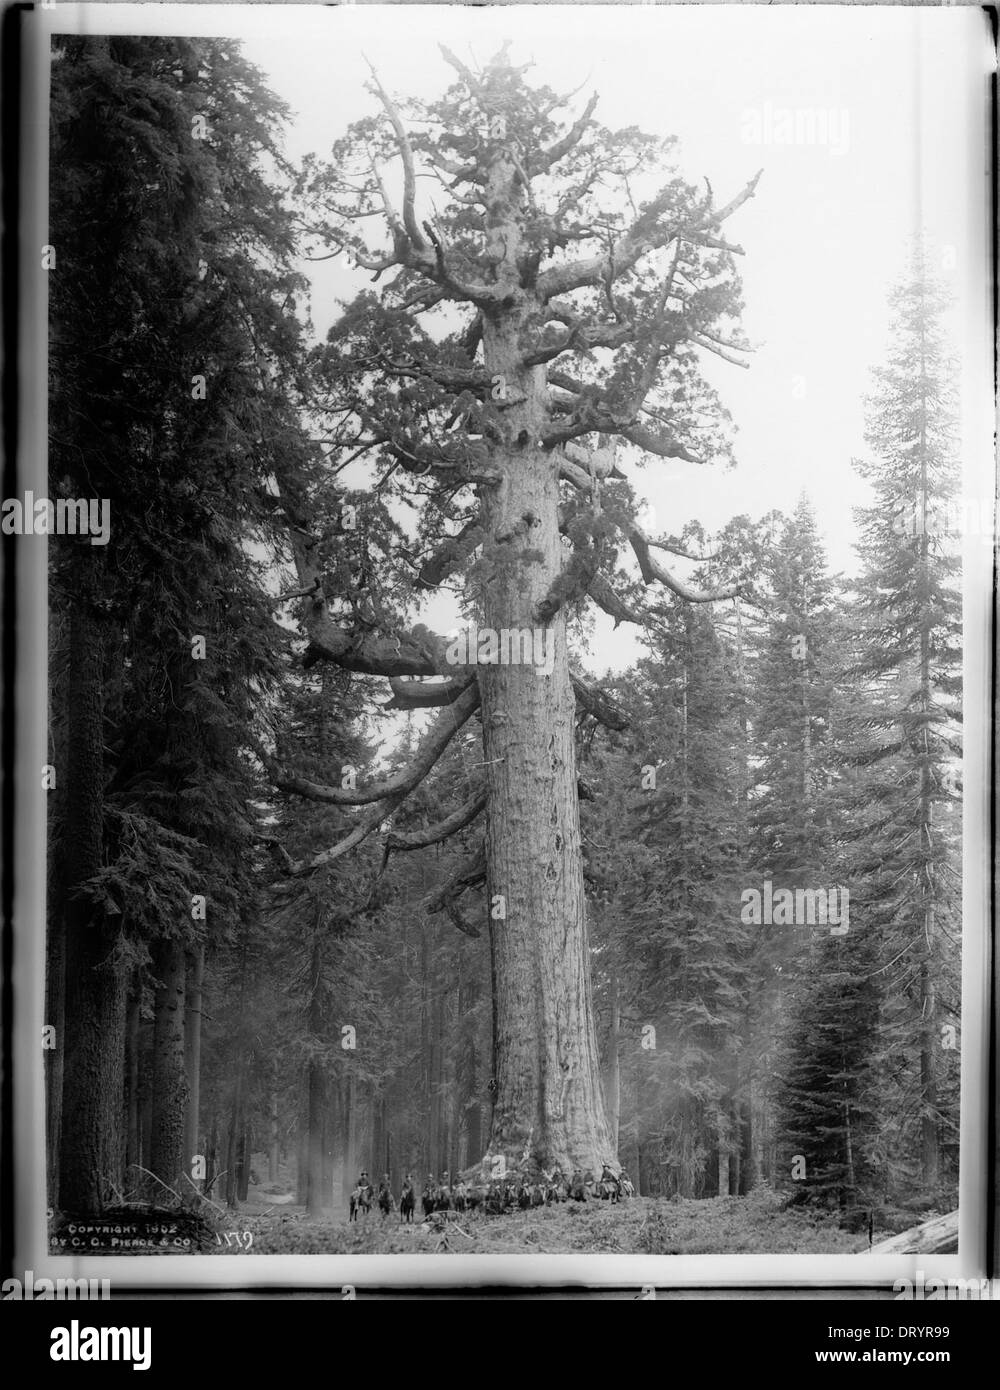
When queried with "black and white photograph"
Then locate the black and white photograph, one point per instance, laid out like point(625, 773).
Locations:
point(513, 521)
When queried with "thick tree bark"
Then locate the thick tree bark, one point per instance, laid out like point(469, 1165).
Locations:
point(548, 1096)
point(170, 1094)
point(549, 1102)
point(92, 1139)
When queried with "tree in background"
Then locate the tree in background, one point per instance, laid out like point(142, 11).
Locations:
point(907, 740)
point(174, 345)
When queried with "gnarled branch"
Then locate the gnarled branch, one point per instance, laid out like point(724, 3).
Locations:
point(469, 874)
point(415, 694)
point(546, 158)
point(600, 707)
point(651, 570)
point(434, 834)
point(435, 741)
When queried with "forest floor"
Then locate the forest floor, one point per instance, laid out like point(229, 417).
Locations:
point(757, 1224)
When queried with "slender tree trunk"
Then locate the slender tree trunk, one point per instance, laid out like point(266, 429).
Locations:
point(55, 939)
point(212, 1155)
point(848, 1194)
point(170, 1097)
point(243, 1157)
point(302, 1152)
point(378, 1138)
point(192, 1052)
point(315, 1083)
point(314, 1148)
point(55, 993)
point(233, 1139)
point(612, 1084)
point(133, 1057)
point(350, 1132)
point(426, 1051)
point(92, 1147)
point(724, 1157)
point(145, 1093)
point(929, 1040)
point(274, 1138)
point(929, 1139)
point(736, 1154)
point(434, 1151)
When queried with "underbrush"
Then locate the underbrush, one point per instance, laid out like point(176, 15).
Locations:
point(758, 1224)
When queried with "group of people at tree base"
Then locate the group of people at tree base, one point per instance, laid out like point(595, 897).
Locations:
point(493, 1196)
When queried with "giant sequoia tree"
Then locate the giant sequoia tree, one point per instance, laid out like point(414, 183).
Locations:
point(546, 307)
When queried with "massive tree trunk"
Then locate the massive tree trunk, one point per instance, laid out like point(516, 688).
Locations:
point(548, 1093)
point(92, 1139)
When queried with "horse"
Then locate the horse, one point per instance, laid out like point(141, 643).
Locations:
point(385, 1202)
point(361, 1200)
point(406, 1204)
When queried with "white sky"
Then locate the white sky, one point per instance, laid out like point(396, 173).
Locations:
point(902, 94)
point(905, 93)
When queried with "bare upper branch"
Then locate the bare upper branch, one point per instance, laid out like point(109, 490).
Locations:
point(547, 158)
point(651, 570)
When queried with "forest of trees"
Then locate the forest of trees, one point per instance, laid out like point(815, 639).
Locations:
point(318, 898)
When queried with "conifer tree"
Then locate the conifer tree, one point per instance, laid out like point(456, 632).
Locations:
point(908, 610)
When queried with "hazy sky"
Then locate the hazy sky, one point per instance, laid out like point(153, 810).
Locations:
point(897, 100)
